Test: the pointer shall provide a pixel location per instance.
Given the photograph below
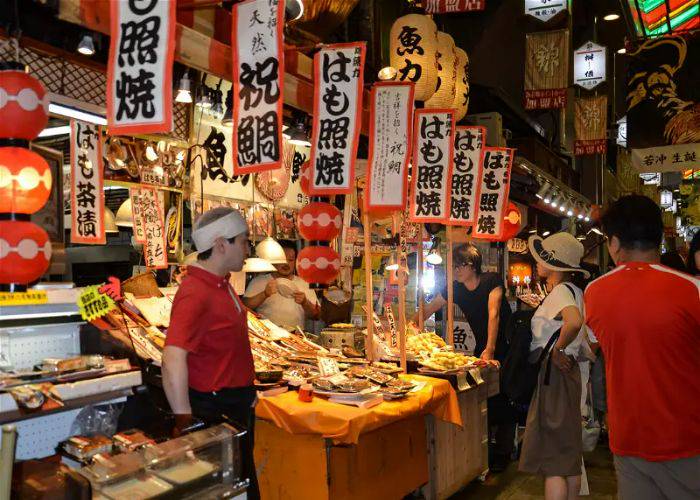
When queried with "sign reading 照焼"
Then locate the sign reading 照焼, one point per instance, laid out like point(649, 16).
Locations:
point(589, 65)
point(544, 10)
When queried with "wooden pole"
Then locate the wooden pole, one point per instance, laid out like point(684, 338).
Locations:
point(419, 278)
point(450, 290)
point(401, 274)
point(369, 290)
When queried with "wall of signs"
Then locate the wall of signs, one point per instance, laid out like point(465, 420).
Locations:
point(87, 179)
point(338, 81)
point(258, 72)
point(433, 150)
point(140, 67)
point(493, 192)
point(469, 143)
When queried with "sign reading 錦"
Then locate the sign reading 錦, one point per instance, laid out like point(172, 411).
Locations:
point(590, 125)
point(546, 69)
point(469, 142)
point(87, 178)
point(589, 65)
point(493, 192)
point(156, 248)
point(257, 45)
point(449, 6)
point(140, 67)
point(433, 150)
point(544, 10)
point(338, 85)
point(391, 110)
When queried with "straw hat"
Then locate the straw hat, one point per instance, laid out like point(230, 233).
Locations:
point(560, 252)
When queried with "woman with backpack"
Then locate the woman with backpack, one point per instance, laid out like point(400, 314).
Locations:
point(552, 443)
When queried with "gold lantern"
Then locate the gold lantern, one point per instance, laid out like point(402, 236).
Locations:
point(444, 95)
point(413, 49)
point(461, 102)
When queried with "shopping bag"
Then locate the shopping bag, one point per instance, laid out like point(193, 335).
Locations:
point(590, 427)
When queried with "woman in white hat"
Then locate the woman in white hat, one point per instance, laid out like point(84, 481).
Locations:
point(552, 444)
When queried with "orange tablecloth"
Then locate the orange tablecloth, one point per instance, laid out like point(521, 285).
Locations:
point(344, 423)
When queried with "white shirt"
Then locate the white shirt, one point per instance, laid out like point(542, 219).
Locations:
point(544, 323)
point(281, 310)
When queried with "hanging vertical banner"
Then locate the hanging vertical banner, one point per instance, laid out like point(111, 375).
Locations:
point(137, 215)
point(391, 110)
point(493, 192)
point(449, 6)
point(589, 65)
point(257, 45)
point(590, 125)
point(87, 178)
point(433, 151)
point(155, 250)
point(544, 10)
point(338, 84)
point(140, 67)
point(469, 143)
point(546, 69)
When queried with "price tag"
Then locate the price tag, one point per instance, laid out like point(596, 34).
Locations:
point(92, 304)
point(462, 382)
point(31, 298)
point(328, 366)
point(476, 375)
point(392, 325)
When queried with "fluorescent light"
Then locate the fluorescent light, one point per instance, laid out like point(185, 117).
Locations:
point(622, 51)
point(611, 17)
point(59, 109)
point(546, 233)
point(52, 131)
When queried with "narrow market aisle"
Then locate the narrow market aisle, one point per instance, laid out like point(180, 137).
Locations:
point(514, 485)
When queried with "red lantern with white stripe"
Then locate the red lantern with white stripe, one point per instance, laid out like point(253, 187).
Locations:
point(25, 252)
point(318, 265)
point(305, 178)
point(319, 221)
point(24, 105)
point(25, 181)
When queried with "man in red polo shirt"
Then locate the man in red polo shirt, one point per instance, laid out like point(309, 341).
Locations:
point(647, 319)
point(207, 363)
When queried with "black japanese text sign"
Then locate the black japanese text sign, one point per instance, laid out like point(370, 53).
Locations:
point(468, 152)
point(492, 195)
point(87, 177)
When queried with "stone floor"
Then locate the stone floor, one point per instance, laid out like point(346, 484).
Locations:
point(514, 485)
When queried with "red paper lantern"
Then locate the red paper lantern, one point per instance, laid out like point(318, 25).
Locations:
point(24, 105)
point(318, 265)
point(305, 178)
point(511, 222)
point(25, 252)
point(319, 221)
point(25, 181)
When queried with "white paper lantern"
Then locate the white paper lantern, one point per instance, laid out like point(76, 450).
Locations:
point(413, 49)
point(444, 95)
point(461, 102)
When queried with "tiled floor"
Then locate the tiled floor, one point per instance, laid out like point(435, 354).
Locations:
point(514, 485)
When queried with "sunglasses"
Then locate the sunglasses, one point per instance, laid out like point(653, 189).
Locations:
point(27, 249)
point(27, 99)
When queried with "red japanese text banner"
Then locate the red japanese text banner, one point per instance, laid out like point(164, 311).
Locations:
point(338, 81)
point(257, 45)
point(156, 248)
point(468, 151)
point(493, 192)
point(391, 111)
point(448, 6)
point(87, 199)
point(433, 151)
point(140, 67)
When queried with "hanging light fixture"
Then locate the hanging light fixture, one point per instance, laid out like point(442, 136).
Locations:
point(123, 218)
point(393, 264)
point(184, 95)
point(296, 134)
point(257, 265)
point(293, 9)
point(387, 73)
point(270, 250)
point(554, 201)
point(543, 190)
point(227, 120)
point(611, 17)
point(110, 225)
point(434, 256)
point(86, 46)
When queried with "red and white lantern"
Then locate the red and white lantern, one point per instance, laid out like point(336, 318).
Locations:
point(305, 178)
point(319, 221)
point(25, 252)
point(318, 265)
point(24, 105)
point(25, 181)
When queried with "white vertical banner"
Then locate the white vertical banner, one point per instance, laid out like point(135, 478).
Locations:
point(493, 192)
point(469, 144)
point(137, 215)
point(338, 87)
point(390, 127)
point(433, 151)
point(156, 248)
point(257, 45)
point(87, 179)
point(140, 66)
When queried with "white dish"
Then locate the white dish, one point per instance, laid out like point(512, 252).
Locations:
point(286, 288)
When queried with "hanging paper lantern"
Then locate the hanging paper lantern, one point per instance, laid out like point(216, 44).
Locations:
point(319, 221)
point(25, 181)
point(25, 252)
point(444, 95)
point(318, 265)
point(305, 178)
point(413, 52)
point(461, 102)
point(24, 105)
point(511, 222)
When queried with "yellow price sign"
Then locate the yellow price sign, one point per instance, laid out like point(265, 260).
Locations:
point(92, 304)
point(30, 298)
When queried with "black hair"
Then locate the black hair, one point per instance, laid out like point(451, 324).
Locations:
point(636, 221)
point(289, 244)
point(694, 248)
point(673, 260)
point(468, 255)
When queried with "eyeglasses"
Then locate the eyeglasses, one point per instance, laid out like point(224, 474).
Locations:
point(27, 99)
point(27, 249)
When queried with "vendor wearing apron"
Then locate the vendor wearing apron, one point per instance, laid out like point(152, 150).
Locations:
point(207, 363)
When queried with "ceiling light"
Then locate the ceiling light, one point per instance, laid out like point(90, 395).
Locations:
point(543, 190)
point(123, 218)
point(53, 131)
point(611, 17)
point(110, 225)
point(546, 233)
point(227, 120)
point(258, 265)
point(622, 51)
point(61, 110)
point(387, 73)
point(587, 218)
point(204, 102)
point(296, 134)
point(270, 250)
point(434, 258)
point(554, 203)
point(393, 264)
point(570, 212)
point(580, 216)
point(533, 230)
point(86, 46)
point(596, 231)
point(183, 92)
point(293, 9)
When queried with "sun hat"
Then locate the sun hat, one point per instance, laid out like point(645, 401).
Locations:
point(560, 252)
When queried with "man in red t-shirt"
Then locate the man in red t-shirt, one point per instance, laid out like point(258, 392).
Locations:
point(207, 363)
point(646, 318)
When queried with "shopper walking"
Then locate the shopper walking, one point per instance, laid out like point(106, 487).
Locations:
point(552, 445)
point(647, 320)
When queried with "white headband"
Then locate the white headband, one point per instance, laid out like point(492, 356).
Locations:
point(228, 226)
